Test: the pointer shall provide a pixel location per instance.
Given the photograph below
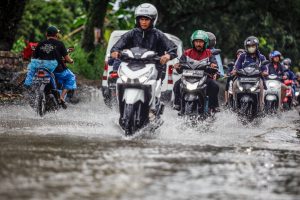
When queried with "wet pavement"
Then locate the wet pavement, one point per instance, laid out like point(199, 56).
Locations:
point(80, 153)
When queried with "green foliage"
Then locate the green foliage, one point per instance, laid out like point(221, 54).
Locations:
point(67, 15)
point(121, 19)
point(39, 14)
point(19, 45)
point(276, 23)
point(90, 65)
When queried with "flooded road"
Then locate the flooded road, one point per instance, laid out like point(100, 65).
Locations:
point(79, 153)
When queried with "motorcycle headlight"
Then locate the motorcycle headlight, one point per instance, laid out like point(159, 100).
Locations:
point(202, 80)
point(123, 76)
point(240, 87)
point(191, 86)
point(274, 85)
point(253, 88)
point(145, 76)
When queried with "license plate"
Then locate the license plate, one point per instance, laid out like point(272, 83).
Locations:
point(248, 79)
point(43, 79)
point(193, 73)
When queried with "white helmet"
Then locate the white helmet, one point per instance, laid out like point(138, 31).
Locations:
point(146, 10)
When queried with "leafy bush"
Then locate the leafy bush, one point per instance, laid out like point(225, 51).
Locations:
point(90, 65)
point(19, 45)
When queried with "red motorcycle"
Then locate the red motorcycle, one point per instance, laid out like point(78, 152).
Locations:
point(288, 99)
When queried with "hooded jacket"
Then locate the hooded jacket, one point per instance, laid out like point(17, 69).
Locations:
point(196, 55)
point(151, 39)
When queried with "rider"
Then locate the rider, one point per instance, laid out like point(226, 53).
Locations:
point(252, 55)
point(145, 35)
point(229, 74)
point(212, 43)
point(52, 49)
point(298, 79)
point(199, 51)
point(275, 67)
point(290, 75)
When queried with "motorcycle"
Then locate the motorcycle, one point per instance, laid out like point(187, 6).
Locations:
point(194, 100)
point(288, 99)
point(230, 95)
point(45, 90)
point(138, 89)
point(248, 93)
point(110, 94)
point(272, 96)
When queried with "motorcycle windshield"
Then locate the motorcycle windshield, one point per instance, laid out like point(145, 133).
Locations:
point(197, 64)
point(136, 65)
point(249, 70)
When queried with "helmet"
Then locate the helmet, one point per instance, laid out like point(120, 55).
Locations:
point(251, 40)
point(52, 31)
point(212, 40)
point(298, 74)
point(274, 54)
point(146, 10)
point(200, 35)
point(287, 61)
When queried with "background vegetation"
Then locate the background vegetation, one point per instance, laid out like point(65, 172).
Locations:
point(276, 23)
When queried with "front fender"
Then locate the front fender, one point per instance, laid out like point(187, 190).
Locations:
point(246, 99)
point(190, 97)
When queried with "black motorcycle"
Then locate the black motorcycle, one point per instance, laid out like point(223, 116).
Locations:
point(248, 91)
point(44, 94)
point(194, 100)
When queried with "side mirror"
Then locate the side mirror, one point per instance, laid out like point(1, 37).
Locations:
point(216, 51)
point(265, 62)
point(70, 49)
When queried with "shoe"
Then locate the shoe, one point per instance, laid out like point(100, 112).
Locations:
point(225, 104)
point(215, 110)
point(152, 115)
point(176, 107)
point(63, 104)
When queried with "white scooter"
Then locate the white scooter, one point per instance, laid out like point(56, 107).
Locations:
point(138, 89)
point(272, 96)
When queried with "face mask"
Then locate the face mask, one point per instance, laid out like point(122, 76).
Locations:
point(251, 49)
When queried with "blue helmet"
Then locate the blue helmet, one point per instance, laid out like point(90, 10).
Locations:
point(274, 54)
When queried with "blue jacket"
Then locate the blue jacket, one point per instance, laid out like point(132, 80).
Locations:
point(245, 59)
point(290, 74)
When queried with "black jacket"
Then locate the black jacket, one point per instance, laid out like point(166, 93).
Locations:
point(279, 71)
point(151, 39)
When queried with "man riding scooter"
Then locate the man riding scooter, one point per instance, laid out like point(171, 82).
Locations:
point(199, 51)
point(146, 36)
point(275, 68)
point(251, 56)
point(54, 54)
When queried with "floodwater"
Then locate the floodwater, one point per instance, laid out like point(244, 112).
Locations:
point(80, 153)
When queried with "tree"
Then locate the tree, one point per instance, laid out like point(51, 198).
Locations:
point(95, 20)
point(11, 12)
point(275, 23)
point(39, 15)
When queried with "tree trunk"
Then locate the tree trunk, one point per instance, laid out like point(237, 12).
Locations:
point(11, 12)
point(95, 20)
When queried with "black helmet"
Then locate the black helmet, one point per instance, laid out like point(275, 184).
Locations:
point(212, 40)
point(251, 40)
point(52, 31)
